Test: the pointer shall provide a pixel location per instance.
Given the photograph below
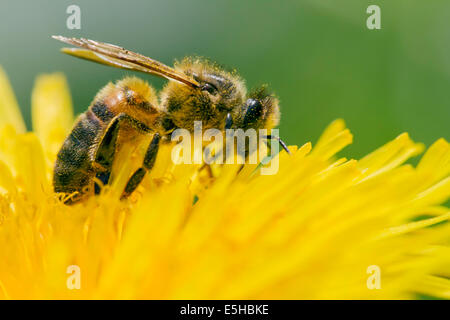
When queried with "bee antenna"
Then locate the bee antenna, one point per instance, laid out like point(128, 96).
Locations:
point(281, 142)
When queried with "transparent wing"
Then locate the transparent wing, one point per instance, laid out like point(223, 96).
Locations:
point(112, 55)
point(99, 58)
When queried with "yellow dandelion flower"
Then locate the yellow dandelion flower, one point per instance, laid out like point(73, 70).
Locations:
point(322, 227)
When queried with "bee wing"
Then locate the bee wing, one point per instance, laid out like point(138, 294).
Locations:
point(99, 58)
point(118, 57)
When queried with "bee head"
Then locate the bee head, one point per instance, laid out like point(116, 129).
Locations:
point(260, 111)
point(219, 93)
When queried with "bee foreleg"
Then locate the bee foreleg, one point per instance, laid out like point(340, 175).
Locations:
point(139, 174)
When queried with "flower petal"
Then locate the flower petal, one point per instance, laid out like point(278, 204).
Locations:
point(334, 138)
point(52, 111)
point(9, 109)
point(31, 168)
point(6, 178)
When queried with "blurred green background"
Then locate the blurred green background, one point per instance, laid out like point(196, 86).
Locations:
point(316, 55)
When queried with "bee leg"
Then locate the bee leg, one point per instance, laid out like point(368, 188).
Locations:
point(139, 174)
point(281, 142)
point(104, 155)
point(106, 149)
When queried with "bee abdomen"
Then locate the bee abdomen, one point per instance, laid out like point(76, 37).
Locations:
point(73, 168)
point(101, 111)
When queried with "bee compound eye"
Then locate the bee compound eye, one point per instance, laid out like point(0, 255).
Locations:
point(228, 121)
point(253, 113)
point(253, 106)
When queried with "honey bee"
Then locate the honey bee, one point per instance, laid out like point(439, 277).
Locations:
point(198, 90)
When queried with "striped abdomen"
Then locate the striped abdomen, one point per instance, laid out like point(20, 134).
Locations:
point(73, 170)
